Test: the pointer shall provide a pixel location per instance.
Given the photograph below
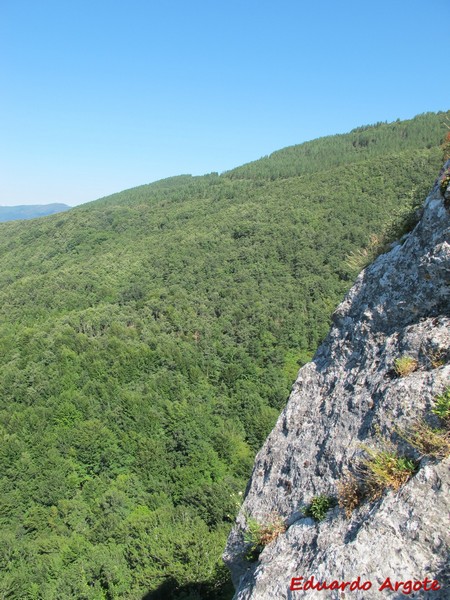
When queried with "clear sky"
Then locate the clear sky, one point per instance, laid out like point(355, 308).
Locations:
point(102, 95)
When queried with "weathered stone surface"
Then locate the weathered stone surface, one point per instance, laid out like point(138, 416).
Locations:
point(347, 396)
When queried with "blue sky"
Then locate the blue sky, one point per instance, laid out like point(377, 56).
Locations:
point(100, 96)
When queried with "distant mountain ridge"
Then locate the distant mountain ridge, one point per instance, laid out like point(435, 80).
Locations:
point(31, 211)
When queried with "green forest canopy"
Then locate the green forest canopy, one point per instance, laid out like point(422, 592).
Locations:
point(149, 342)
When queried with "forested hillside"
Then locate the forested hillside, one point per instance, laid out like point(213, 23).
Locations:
point(149, 341)
point(360, 144)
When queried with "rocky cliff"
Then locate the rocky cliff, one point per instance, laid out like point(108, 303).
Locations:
point(353, 404)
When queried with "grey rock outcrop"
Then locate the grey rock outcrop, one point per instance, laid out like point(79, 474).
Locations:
point(348, 397)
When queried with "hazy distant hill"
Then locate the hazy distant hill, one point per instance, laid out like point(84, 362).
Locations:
point(14, 213)
point(149, 341)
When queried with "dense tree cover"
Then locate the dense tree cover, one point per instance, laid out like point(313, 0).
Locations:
point(424, 131)
point(149, 341)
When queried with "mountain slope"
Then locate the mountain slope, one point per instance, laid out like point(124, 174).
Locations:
point(32, 211)
point(357, 146)
point(357, 397)
point(149, 342)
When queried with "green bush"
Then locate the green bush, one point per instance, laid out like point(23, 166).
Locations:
point(259, 535)
point(442, 406)
point(445, 181)
point(385, 469)
point(405, 365)
point(319, 506)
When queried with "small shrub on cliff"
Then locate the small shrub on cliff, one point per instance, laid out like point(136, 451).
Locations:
point(446, 147)
point(405, 366)
point(358, 259)
point(385, 469)
point(428, 441)
point(319, 506)
point(442, 406)
point(445, 181)
point(349, 494)
point(259, 535)
point(438, 358)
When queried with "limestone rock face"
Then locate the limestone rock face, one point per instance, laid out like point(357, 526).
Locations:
point(348, 397)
